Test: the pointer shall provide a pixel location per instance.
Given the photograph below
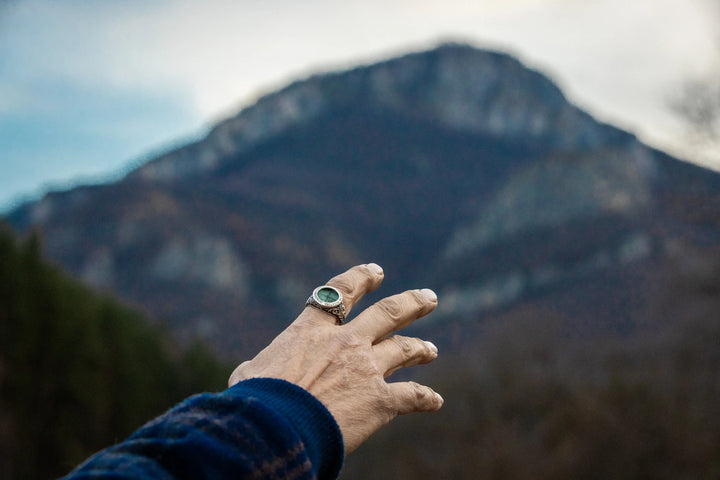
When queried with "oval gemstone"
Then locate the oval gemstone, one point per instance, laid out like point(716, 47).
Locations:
point(328, 295)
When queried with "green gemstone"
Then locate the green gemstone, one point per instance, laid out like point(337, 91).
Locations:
point(328, 295)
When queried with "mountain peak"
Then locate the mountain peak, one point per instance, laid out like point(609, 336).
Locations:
point(455, 86)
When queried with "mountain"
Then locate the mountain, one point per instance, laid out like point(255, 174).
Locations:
point(455, 168)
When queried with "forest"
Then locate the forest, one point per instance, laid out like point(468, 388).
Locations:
point(78, 370)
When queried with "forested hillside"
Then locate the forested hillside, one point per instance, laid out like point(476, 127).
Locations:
point(78, 371)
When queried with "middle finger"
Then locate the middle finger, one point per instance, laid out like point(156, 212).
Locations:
point(393, 313)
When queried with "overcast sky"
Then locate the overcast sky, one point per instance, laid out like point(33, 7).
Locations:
point(88, 88)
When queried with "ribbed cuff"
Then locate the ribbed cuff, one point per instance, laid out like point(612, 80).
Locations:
point(311, 420)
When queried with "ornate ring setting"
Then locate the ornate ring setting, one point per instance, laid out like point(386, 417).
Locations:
point(330, 300)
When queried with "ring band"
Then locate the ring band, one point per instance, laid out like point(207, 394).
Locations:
point(330, 300)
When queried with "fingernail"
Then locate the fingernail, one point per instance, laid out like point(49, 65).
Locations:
point(429, 294)
point(375, 268)
point(432, 347)
point(442, 400)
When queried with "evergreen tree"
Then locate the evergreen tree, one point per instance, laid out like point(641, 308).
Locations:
point(79, 371)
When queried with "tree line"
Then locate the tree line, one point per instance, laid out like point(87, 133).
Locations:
point(78, 370)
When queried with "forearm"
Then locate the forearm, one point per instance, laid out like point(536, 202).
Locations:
point(259, 428)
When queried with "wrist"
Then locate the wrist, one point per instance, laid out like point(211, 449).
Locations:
point(309, 418)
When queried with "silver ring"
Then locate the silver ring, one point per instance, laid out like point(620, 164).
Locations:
point(330, 300)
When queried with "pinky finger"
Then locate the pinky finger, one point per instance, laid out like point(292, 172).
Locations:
point(412, 397)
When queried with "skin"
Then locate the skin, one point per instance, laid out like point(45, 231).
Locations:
point(345, 366)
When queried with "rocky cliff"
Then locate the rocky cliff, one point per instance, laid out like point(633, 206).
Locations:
point(455, 168)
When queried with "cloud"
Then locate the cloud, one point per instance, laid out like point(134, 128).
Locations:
point(83, 133)
point(63, 112)
point(166, 67)
point(222, 52)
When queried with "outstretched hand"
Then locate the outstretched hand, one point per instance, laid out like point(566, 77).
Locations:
point(345, 366)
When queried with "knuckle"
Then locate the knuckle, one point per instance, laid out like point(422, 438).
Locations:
point(405, 345)
point(391, 307)
point(419, 392)
point(354, 281)
point(420, 303)
point(343, 283)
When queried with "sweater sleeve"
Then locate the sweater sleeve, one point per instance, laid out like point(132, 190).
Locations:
point(260, 428)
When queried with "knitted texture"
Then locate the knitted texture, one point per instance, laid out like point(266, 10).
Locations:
point(260, 428)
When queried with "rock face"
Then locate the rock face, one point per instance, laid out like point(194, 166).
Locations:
point(456, 168)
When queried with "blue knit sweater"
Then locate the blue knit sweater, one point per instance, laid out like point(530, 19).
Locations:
point(260, 428)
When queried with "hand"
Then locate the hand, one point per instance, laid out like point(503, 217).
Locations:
point(345, 366)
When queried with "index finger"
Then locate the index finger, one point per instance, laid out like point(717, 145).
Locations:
point(356, 282)
point(352, 284)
